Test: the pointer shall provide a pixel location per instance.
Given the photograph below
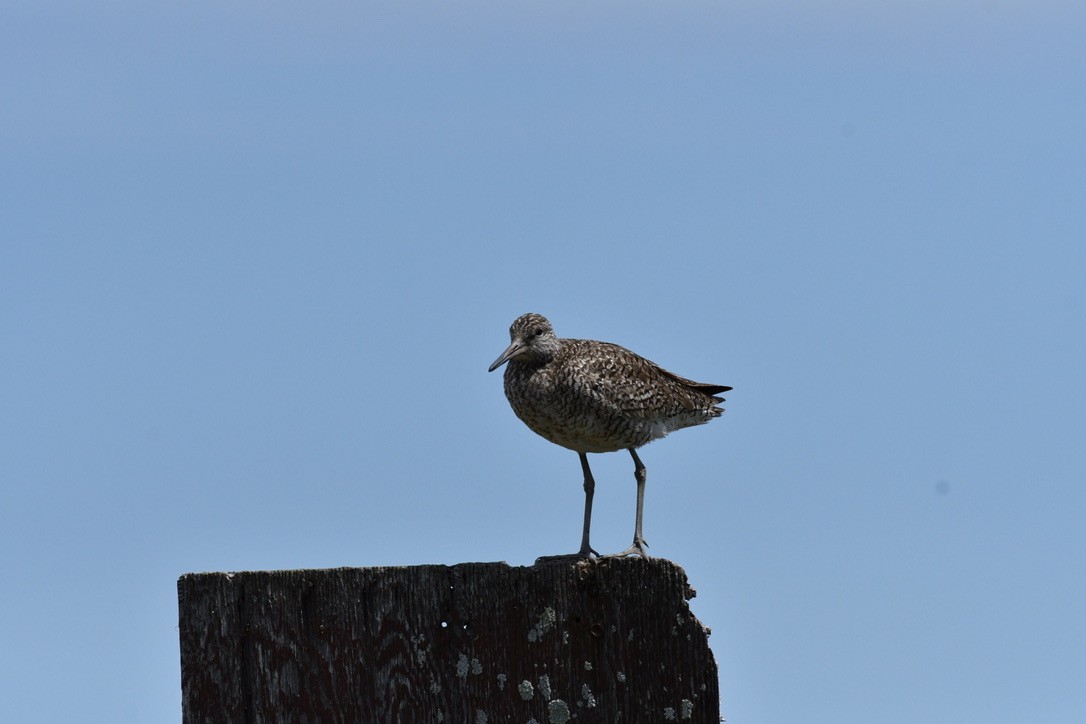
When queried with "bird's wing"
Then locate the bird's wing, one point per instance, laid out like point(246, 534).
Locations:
point(643, 388)
point(703, 387)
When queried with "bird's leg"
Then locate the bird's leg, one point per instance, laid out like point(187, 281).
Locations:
point(586, 550)
point(639, 544)
point(589, 490)
point(641, 475)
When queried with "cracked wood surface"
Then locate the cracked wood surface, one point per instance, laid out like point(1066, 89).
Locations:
point(605, 641)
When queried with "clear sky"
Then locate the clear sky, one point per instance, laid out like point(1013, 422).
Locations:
point(256, 258)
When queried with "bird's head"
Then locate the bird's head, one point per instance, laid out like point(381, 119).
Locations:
point(531, 340)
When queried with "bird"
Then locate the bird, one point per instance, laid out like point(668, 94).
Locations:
point(598, 397)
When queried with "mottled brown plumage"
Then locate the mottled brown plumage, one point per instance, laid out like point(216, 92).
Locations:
point(595, 397)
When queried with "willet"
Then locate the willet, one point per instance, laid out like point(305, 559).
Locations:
point(595, 397)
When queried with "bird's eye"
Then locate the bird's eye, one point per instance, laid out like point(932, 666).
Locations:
point(538, 331)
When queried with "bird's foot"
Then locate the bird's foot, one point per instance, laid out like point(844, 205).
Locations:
point(637, 549)
point(586, 553)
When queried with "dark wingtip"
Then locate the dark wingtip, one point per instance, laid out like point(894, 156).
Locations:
point(711, 389)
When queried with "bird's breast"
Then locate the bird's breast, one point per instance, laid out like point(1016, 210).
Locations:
point(573, 411)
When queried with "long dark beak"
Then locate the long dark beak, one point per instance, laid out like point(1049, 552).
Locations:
point(510, 352)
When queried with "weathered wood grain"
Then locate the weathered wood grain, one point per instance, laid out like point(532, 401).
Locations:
point(607, 641)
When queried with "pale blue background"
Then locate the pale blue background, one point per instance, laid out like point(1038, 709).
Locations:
point(256, 258)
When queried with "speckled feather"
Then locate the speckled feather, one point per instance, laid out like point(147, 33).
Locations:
point(597, 397)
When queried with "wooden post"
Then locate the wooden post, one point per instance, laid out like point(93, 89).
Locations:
point(475, 643)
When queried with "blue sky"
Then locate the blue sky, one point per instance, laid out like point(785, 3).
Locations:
point(257, 257)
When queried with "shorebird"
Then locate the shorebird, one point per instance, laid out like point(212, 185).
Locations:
point(597, 397)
